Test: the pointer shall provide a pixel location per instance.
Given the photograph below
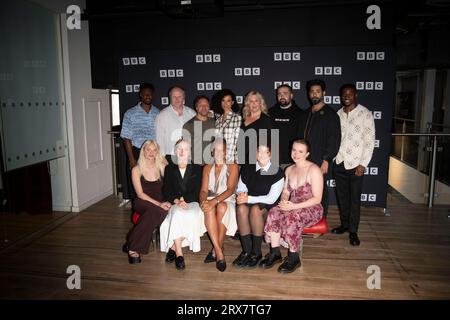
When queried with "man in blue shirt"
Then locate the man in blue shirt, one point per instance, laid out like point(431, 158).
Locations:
point(138, 126)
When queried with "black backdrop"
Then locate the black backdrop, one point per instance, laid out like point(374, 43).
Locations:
point(204, 71)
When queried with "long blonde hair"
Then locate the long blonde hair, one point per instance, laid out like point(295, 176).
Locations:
point(159, 162)
point(246, 109)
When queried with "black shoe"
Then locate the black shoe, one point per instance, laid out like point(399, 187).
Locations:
point(134, 260)
point(253, 261)
point(125, 248)
point(354, 240)
point(241, 259)
point(270, 259)
point(236, 236)
point(339, 230)
point(179, 263)
point(221, 265)
point(209, 257)
point(170, 256)
point(289, 265)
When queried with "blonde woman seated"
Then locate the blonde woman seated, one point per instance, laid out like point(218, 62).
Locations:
point(147, 182)
point(218, 201)
point(184, 224)
point(298, 208)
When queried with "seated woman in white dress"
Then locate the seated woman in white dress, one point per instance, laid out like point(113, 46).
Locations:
point(184, 224)
point(218, 201)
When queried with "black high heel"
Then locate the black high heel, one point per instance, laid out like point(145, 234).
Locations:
point(125, 248)
point(221, 265)
point(134, 260)
point(210, 257)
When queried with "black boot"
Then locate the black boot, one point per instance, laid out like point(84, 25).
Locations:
point(271, 258)
point(291, 263)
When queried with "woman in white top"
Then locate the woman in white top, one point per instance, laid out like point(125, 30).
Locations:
point(218, 201)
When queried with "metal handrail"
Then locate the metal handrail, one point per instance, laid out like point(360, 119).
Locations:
point(404, 119)
point(432, 180)
point(433, 124)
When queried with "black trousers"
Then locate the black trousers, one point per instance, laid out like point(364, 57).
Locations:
point(348, 192)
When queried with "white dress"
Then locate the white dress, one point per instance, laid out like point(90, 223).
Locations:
point(183, 223)
point(229, 219)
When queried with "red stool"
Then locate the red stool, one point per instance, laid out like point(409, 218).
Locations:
point(318, 229)
point(155, 237)
point(315, 231)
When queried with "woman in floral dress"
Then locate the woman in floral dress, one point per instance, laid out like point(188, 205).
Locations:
point(298, 208)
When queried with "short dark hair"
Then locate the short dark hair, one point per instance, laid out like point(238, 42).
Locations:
point(347, 86)
point(286, 86)
point(198, 98)
point(217, 108)
point(315, 82)
point(146, 85)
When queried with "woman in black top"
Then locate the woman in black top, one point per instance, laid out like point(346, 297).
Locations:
point(256, 124)
point(184, 224)
point(147, 182)
point(259, 188)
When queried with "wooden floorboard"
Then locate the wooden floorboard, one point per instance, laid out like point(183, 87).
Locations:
point(411, 247)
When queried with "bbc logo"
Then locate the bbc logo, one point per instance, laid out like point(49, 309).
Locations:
point(134, 61)
point(328, 71)
point(370, 55)
point(295, 85)
point(369, 85)
point(209, 86)
point(331, 183)
point(371, 197)
point(371, 171)
point(171, 73)
point(207, 58)
point(132, 88)
point(286, 56)
point(332, 99)
point(251, 71)
point(377, 115)
point(376, 143)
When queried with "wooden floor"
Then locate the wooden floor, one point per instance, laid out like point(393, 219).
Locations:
point(411, 247)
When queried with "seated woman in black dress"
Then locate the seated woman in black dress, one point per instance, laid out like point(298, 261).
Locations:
point(258, 190)
point(184, 224)
point(146, 178)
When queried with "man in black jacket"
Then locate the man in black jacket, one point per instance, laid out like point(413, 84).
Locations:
point(285, 115)
point(322, 129)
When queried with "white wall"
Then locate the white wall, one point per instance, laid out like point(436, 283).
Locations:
point(413, 184)
point(88, 120)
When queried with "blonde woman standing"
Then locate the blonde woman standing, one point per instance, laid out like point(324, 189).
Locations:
point(256, 124)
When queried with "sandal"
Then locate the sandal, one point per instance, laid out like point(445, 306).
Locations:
point(134, 257)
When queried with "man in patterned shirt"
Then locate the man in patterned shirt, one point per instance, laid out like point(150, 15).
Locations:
point(354, 155)
point(138, 126)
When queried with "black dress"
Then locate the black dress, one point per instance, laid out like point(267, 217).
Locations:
point(246, 146)
point(140, 236)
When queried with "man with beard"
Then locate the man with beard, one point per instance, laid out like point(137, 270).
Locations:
point(199, 129)
point(355, 153)
point(285, 116)
point(321, 128)
point(138, 126)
